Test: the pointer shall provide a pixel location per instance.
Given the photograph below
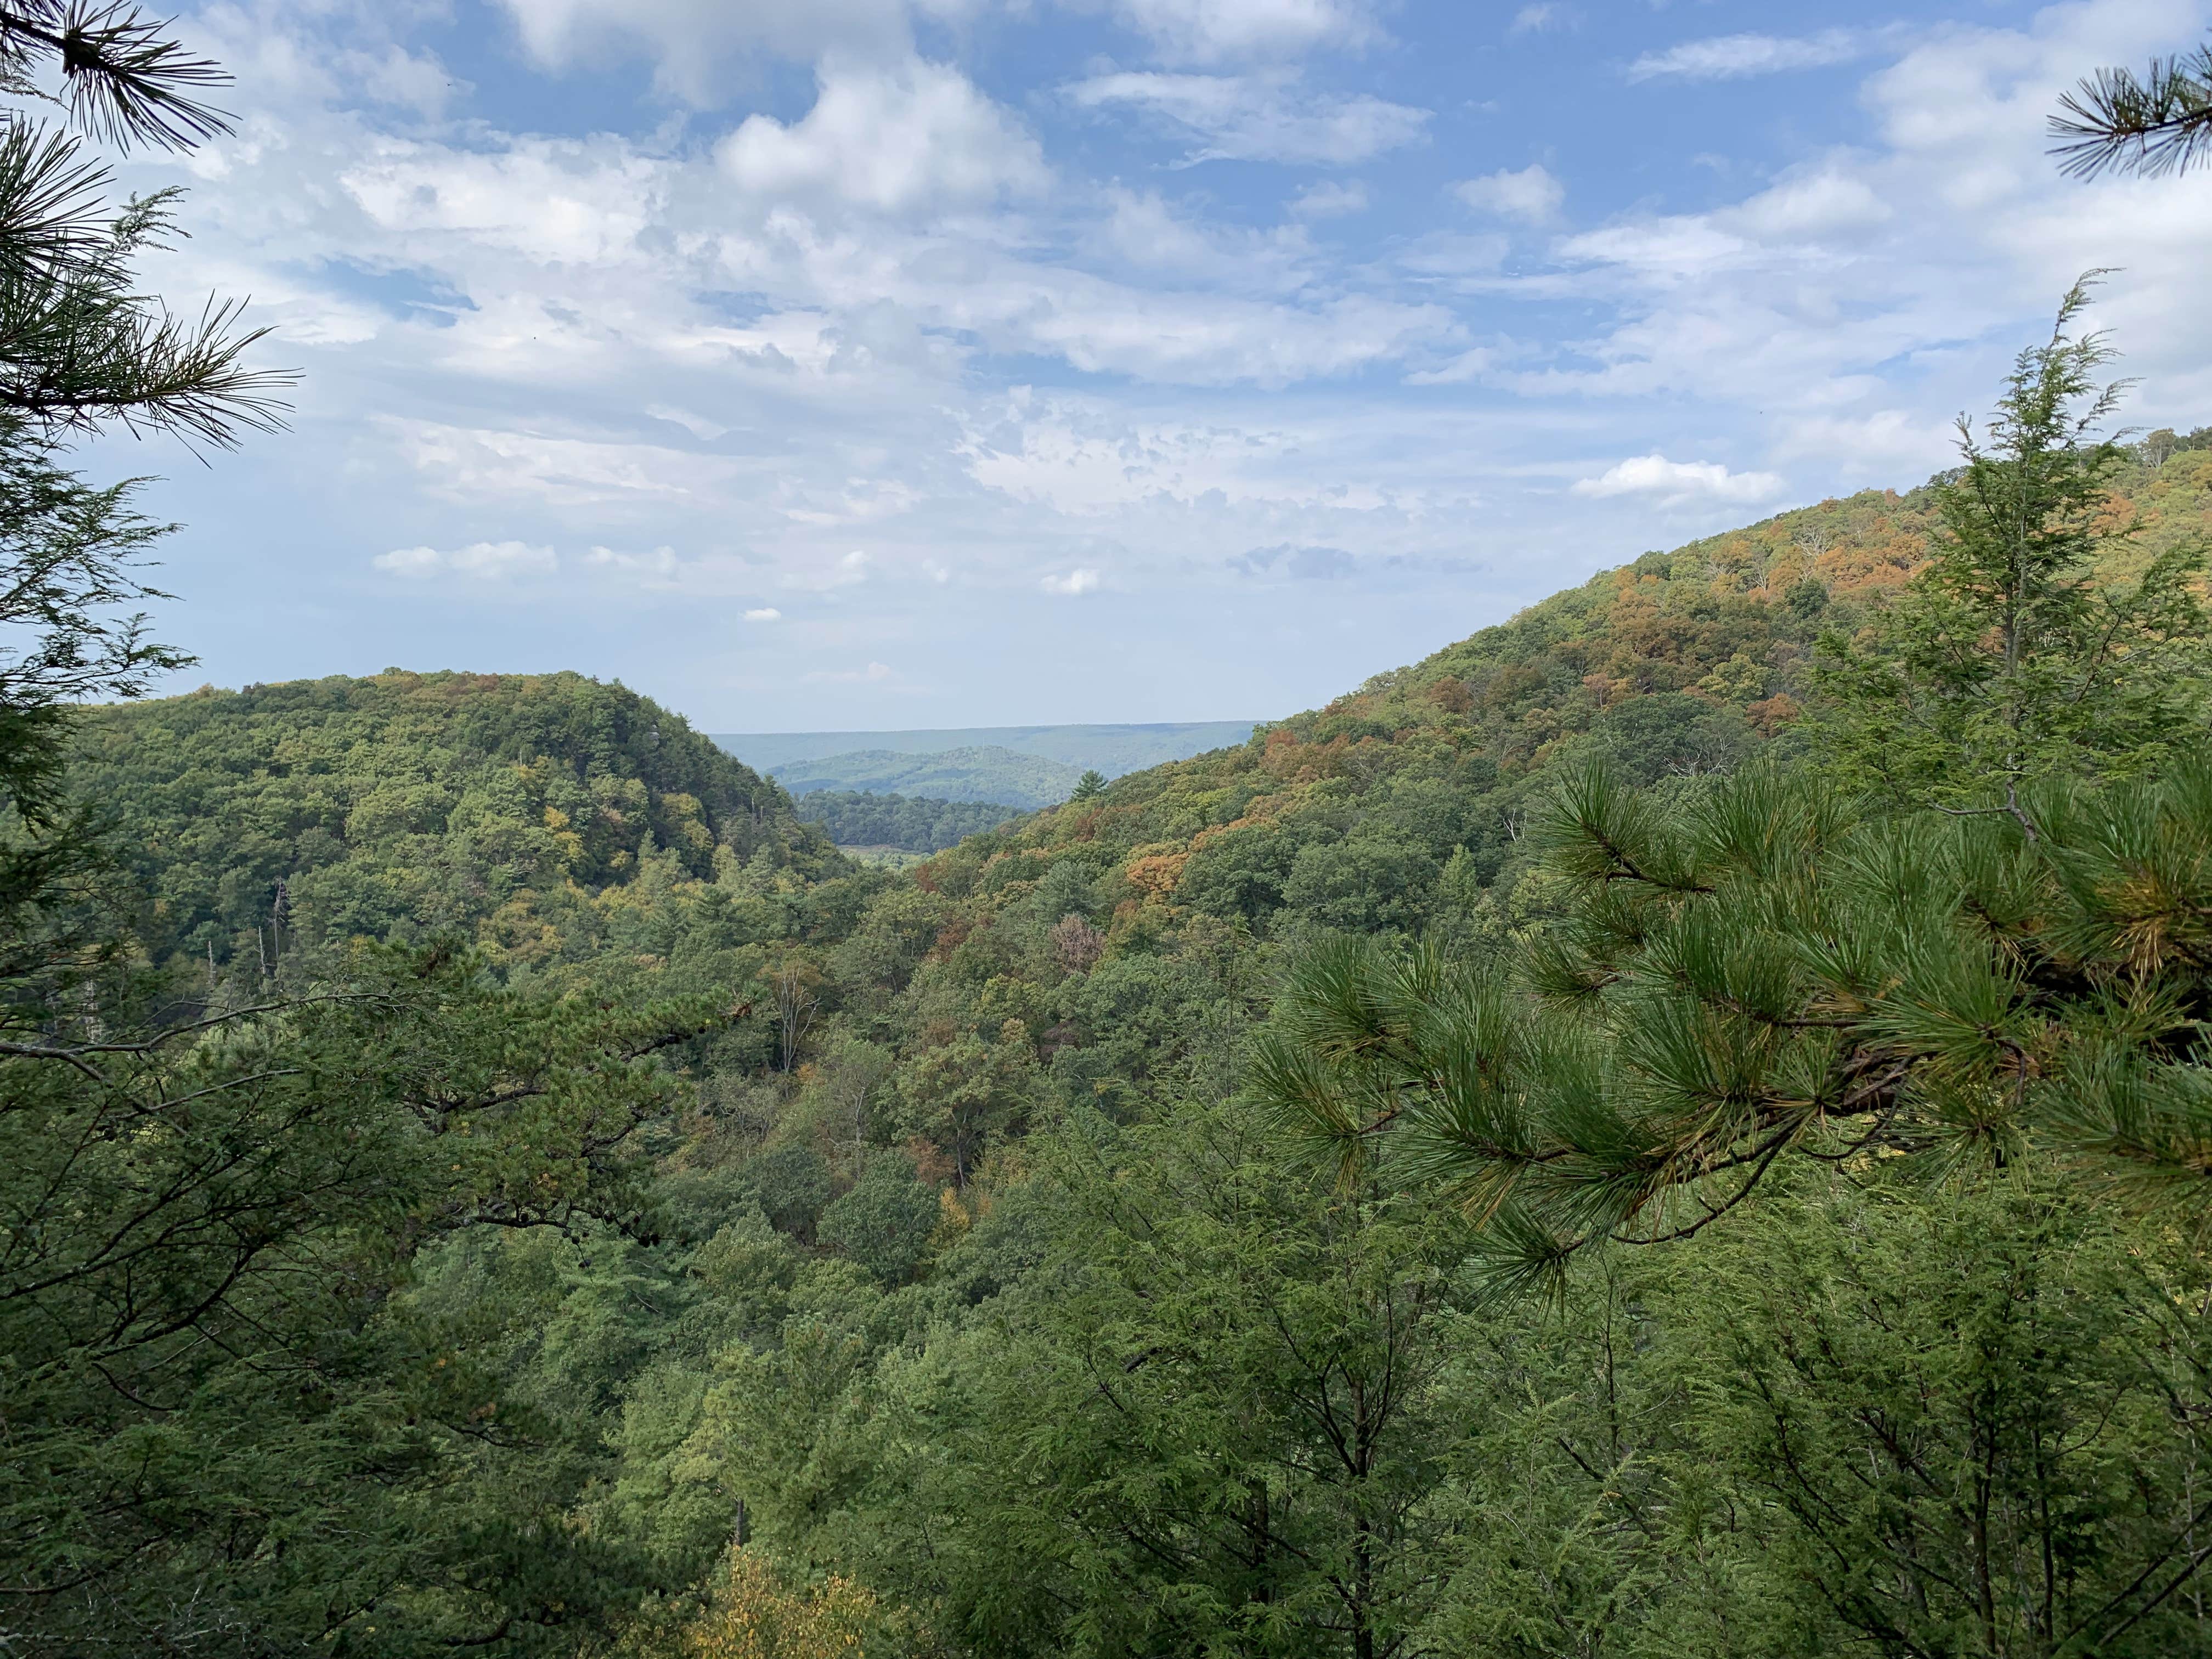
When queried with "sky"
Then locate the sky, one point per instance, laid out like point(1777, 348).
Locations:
point(817, 364)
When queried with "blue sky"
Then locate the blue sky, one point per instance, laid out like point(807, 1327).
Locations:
point(879, 363)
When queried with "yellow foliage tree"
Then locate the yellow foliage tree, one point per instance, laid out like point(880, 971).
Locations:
point(755, 1614)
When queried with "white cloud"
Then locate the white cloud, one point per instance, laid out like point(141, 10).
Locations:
point(488, 561)
point(1532, 193)
point(659, 566)
point(1903, 272)
point(1079, 459)
point(534, 470)
point(1252, 117)
point(1676, 482)
point(697, 425)
point(767, 613)
point(1074, 582)
point(1533, 19)
point(1811, 206)
point(691, 42)
point(849, 570)
point(1330, 200)
point(554, 201)
point(1311, 564)
point(415, 80)
point(1195, 339)
point(873, 673)
point(1141, 228)
point(1654, 249)
point(1888, 442)
point(1214, 31)
point(914, 135)
point(1731, 56)
point(605, 339)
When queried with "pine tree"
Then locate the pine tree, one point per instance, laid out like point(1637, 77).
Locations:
point(1767, 971)
point(84, 351)
point(2158, 123)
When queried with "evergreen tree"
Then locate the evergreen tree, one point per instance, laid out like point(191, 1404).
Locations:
point(83, 350)
point(1764, 971)
point(1962, 1422)
point(241, 1415)
point(2157, 123)
point(2017, 652)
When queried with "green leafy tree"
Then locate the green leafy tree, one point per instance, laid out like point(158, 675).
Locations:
point(2017, 652)
point(1211, 1422)
point(965, 1093)
point(885, 1222)
point(1091, 783)
point(792, 1185)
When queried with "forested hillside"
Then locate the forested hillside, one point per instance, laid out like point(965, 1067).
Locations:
point(907, 824)
point(513, 809)
point(1404, 803)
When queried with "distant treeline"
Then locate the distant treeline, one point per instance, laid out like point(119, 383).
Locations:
point(2156, 447)
point(912, 823)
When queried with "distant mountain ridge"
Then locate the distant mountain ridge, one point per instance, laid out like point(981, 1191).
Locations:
point(985, 772)
point(1112, 749)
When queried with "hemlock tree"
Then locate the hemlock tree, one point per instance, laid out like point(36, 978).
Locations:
point(1211, 1422)
point(1971, 1422)
point(240, 1418)
point(2019, 652)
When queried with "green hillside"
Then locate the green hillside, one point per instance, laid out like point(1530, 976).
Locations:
point(899, 822)
point(509, 805)
point(1400, 804)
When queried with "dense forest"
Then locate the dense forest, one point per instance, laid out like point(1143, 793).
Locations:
point(909, 823)
point(396, 807)
point(1675, 1127)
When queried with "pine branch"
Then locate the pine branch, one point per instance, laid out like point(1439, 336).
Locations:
point(126, 81)
point(2158, 124)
